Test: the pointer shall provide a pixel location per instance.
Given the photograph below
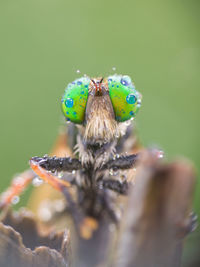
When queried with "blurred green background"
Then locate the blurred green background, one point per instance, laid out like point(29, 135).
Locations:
point(44, 42)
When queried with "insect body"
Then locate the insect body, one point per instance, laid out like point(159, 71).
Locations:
point(101, 109)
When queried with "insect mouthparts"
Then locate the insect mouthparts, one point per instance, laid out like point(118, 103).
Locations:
point(97, 84)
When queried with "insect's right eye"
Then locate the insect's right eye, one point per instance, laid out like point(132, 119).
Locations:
point(124, 97)
point(75, 99)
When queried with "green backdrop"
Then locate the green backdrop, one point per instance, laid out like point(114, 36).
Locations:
point(44, 42)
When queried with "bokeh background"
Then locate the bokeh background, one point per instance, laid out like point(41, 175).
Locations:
point(44, 42)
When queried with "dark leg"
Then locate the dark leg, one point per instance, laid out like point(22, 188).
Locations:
point(121, 188)
point(57, 164)
point(121, 163)
point(84, 224)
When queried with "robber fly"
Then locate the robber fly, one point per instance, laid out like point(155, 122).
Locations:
point(100, 111)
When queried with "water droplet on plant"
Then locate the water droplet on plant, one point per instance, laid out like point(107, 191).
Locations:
point(78, 71)
point(114, 68)
point(15, 200)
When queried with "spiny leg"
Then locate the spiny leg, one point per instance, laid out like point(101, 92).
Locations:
point(57, 164)
point(121, 163)
point(85, 224)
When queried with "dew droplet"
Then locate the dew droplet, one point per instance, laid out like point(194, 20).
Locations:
point(15, 200)
point(68, 120)
point(60, 175)
point(114, 68)
point(69, 102)
point(37, 181)
point(78, 71)
point(131, 99)
point(111, 171)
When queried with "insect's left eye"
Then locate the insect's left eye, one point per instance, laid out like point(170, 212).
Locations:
point(75, 99)
point(125, 99)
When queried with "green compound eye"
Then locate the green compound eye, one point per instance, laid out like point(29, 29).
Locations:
point(74, 100)
point(125, 99)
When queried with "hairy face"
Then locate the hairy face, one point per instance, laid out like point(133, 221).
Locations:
point(100, 123)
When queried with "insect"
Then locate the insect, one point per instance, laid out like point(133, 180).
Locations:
point(100, 111)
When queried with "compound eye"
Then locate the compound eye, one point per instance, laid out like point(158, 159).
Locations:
point(75, 99)
point(125, 99)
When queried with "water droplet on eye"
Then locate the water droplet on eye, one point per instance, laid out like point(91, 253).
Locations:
point(15, 200)
point(37, 181)
point(73, 172)
point(68, 120)
point(79, 82)
point(69, 103)
point(125, 80)
point(78, 71)
point(131, 99)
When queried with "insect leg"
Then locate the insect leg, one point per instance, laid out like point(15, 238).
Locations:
point(85, 224)
point(117, 186)
point(18, 185)
point(57, 164)
point(55, 182)
point(121, 163)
